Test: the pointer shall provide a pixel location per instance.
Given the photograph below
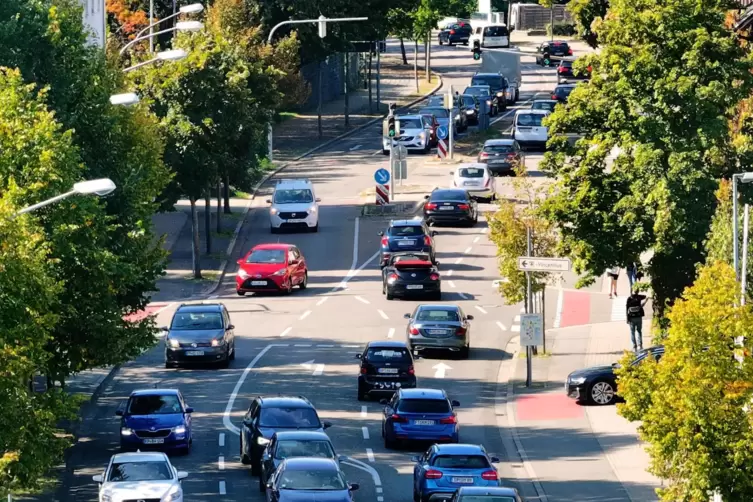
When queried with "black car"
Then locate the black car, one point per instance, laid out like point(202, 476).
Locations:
point(268, 415)
point(292, 444)
point(598, 385)
point(502, 156)
point(565, 71)
point(385, 367)
point(498, 85)
point(470, 106)
point(407, 235)
point(200, 333)
point(450, 205)
point(411, 276)
point(556, 48)
point(562, 92)
point(455, 33)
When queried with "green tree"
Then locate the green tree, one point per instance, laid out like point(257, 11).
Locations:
point(587, 15)
point(694, 404)
point(664, 88)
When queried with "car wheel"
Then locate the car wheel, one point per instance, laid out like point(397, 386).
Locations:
point(416, 496)
point(305, 282)
point(255, 468)
point(244, 458)
point(389, 295)
point(437, 296)
point(315, 228)
point(450, 44)
point(601, 393)
point(169, 365)
point(388, 443)
point(517, 94)
point(225, 362)
point(361, 394)
point(288, 287)
point(240, 293)
point(440, 42)
point(465, 352)
point(273, 230)
point(384, 289)
point(385, 152)
point(262, 485)
point(232, 354)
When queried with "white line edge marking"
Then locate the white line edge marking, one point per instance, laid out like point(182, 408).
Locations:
point(233, 395)
point(484, 230)
point(457, 262)
point(449, 273)
point(463, 296)
point(522, 310)
point(365, 431)
point(558, 312)
point(222, 439)
point(221, 463)
point(353, 270)
point(501, 326)
point(515, 329)
point(481, 309)
point(476, 239)
point(366, 468)
point(452, 284)
point(305, 315)
point(286, 331)
point(379, 490)
point(302, 345)
point(319, 369)
point(391, 333)
point(516, 318)
point(320, 302)
point(364, 411)
point(213, 297)
point(223, 488)
point(468, 249)
point(370, 455)
point(353, 148)
point(362, 299)
point(381, 313)
point(325, 346)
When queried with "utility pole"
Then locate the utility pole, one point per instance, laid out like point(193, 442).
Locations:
point(428, 58)
point(415, 63)
point(551, 21)
point(319, 101)
point(529, 307)
point(151, 28)
point(451, 132)
point(379, 76)
point(345, 82)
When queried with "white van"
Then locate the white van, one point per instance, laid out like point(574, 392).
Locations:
point(294, 205)
point(527, 128)
point(491, 36)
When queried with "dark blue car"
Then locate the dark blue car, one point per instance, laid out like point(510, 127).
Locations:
point(309, 479)
point(155, 419)
point(486, 494)
point(443, 469)
point(407, 235)
point(419, 415)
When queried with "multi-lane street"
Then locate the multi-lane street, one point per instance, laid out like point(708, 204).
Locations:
point(304, 344)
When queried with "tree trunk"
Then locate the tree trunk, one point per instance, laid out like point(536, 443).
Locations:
point(226, 193)
point(428, 57)
point(415, 64)
point(402, 51)
point(219, 206)
point(208, 221)
point(195, 238)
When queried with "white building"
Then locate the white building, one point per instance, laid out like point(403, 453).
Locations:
point(95, 18)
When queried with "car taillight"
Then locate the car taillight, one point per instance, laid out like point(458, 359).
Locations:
point(397, 418)
point(554, 96)
point(569, 52)
point(385, 241)
point(488, 182)
point(434, 277)
point(510, 155)
point(452, 32)
point(464, 207)
point(432, 474)
point(483, 155)
point(414, 331)
point(427, 240)
point(561, 69)
point(489, 475)
point(449, 420)
point(460, 332)
point(430, 206)
point(363, 371)
point(411, 371)
point(392, 277)
point(589, 69)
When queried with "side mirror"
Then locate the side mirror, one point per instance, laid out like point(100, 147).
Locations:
point(455, 404)
point(165, 328)
point(426, 197)
point(359, 356)
point(342, 458)
point(189, 410)
point(406, 316)
point(119, 413)
point(384, 402)
point(182, 475)
point(269, 201)
point(434, 233)
point(318, 199)
point(98, 478)
point(353, 487)
point(469, 317)
point(240, 262)
point(416, 458)
point(380, 233)
point(232, 326)
point(326, 425)
point(495, 460)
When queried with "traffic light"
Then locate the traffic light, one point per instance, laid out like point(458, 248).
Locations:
point(476, 53)
point(546, 59)
point(393, 125)
point(392, 108)
point(391, 132)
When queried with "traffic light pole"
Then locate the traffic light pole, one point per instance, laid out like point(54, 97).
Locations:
point(451, 132)
point(392, 171)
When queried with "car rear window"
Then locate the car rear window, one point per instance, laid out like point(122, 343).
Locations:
point(498, 148)
point(485, 498)
point(440, 113)
point(492, 81)
point(423, 406)
point(530, 119)
point(496, 31)
point(289, 418)
point(437, 315)
point(461, 461)
point(563, 92)
point(476, 91)
point(449, 195)
point(382, 355)
point(471, 172)
point(543, 105)
point(566, 64)
point(407, 230)
point(410, 124)
point(560, 46)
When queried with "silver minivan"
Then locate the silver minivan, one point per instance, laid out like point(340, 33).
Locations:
point(528, 128)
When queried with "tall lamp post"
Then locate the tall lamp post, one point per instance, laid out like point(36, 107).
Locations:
point(744, 178)
point(100, 187)
point(193, 8)
point(179, 26)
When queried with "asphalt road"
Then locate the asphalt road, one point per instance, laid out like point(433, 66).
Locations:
point(304, 344)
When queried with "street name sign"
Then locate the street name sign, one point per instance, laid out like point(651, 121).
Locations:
point(531, 330)
point(527, 264)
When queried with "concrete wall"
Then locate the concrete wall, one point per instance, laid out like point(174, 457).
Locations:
point(95, 19)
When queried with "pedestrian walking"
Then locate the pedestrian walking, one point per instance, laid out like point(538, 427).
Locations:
point(613, 274)
point(632, 273)
point(635, 313)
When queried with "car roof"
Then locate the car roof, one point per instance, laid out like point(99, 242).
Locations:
point(540, 101)
point(435, 306)
point(302, 435)
point(487, 74)
point(487, 490)
point(528, 111)
point(477, 165)
point(556, 41)
point(293, 183)
point(386, 344)
point(270, 246)
point(306, 463)
point(565, 85)
point(414, 116)
point(444, 190)
point(459, 449)
point(422, 394)
point(200, 307)
point(285, 401)
point(406, 223)
point(139, 456)
point(155, 392)
point(494, 142)
point(479, 85)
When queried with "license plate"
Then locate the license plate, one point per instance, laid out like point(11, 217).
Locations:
point(414, 286)
point(424, 422)
point(446, 208)
point(436, 331)
point(295, 221)
point(195, 353)
point(387, 385)
point(387, 370)
point(472, 183)
point(462, 481)
point(406, 243)
point(154, 441)
point(258, 283)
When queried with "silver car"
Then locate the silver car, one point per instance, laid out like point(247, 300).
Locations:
point(443, 327)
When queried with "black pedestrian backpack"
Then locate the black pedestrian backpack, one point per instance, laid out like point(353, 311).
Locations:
point(634, 310)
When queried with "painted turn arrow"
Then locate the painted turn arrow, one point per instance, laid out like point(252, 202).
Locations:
point(318, 369)
point(441, 369)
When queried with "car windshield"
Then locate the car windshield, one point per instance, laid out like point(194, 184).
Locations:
point(311, 480)
point(471, 172)
point(492, 81)
point(495, 31)
point(436, 101)
point(403, 257)
point(289, 418)
point(499, 148)
point(440, 113)
point(437, 315)
point(301, 196)
point(543, 105)
point(299, 448)
point(563, 92)
point(381, 355)
point(449, 195)
point(423, 406)
point(469, 101)
point(197, 321)
point(266, 256)
point(410, 123)
point(154, 405)
point(461, 461)
point(406, 231)
point(485, 498)
point(139, 471)
point(476, 91)
point(530, 119)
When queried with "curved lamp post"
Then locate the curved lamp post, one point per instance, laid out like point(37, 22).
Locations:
point(125, 99)
point(171, 55)
point(179, 26)
point(100, 187)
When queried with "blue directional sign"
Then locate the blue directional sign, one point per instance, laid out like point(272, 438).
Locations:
point(382, 176)
point(442, 132)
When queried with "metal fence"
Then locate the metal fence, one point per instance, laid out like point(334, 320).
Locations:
point(333, 78)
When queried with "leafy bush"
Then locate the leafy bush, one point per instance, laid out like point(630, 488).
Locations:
point(561, 29)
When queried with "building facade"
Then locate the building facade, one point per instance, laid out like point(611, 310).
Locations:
point(95, 18)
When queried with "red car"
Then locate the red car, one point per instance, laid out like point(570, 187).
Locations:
point(271, 267)
point(433, 139)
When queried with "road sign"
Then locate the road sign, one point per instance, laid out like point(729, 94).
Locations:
point(442, 132)
point(441, 149)
point(527, 264)
point(382, 195)
point(400, 152)
point(382, 176)
point(531, 330)
point(400, 169)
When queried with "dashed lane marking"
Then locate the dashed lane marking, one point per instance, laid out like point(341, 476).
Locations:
point(515, 328)
point(457, 262)
point(362, 300)
point(222, 439)
point(302, 345)
point(468, 249)
point(364, 411)
point(481, 309)
point(484, 230)
point(221, 463)
point(370, 455)
point(286, 331)
point(326, 346)
point(391, 333)
point(319, 369)
point(381, 313)
point(223, 488)
point(305, 315)
point(213, 297)
point(449, 273)
point(320, 302)
point(353, 148)
point(501, 326)
point(452, 284)
point(476, 239)
point(365, 431)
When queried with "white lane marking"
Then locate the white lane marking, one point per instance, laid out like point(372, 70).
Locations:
point(302, 345)
point(366, 468)
point(320, 302)
point(391, 333)
point(501, 326)
point(221, 463)
point(476, 239)
point(353, 270)
point(308, 364)
point(441, 369)
point(468, 249)
point(376, 153)
point(233, 395)
point(370, 455)
point(481, 309)
point(457, 262)
point(351, 346)
point(380, 499)
point(353, 148)
point(223, 489)
point(319, 369)
point(325, 346)
point(222, 439)
point(452, 284)
point(213, 297)
point(381, 313)
point(365, 431)
point(484, 230)
point(449, 273)
point(362, 300)
point(513, 110)
point(379, 490)
point(522, 310)
point(558, 312)
point(515, 328)
point(516, 319)
point(463, 296)
point(364, 411)
point(304, 315)
point(286, 331)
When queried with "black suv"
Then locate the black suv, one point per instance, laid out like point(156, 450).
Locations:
point(268, 415)
point(407, 235)
point(455, 33)
point(562, 92)
point(200, 333)
point(498, 85)
point(556, 48)
point(385, 367)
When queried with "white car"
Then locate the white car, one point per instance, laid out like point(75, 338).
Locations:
point(140, 476)
point(415, 134)
point(476, 179)
point(527, 127)
point(493, 35)
point(294, 205)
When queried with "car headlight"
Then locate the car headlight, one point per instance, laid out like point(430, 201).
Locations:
point(282, 271)
point(218, 342)
point(262, 441)
point(422, 135)
point(500, 94)
point(173, 343)
point(180, 429)
point(489, 102)
point(578, 380)
point(175, 493)
point(312, 209)
point(243, 274)
point(125, 431)
point(469, 112)
point(106, 497)
point(273, 211)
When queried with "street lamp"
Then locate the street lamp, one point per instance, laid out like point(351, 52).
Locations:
point(186, 9)
point(745, 178)
point(179, 26)
point(125, 99)
point(171, 55)
point(100, 187)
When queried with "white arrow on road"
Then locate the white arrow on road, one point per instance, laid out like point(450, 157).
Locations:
point(318, 369)
point(441, 369)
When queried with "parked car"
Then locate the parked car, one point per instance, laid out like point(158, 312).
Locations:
point(386, 366)
point(155, 419)
point(455, 33)
point(444, 469)
point(502, 156)
point(477, 179)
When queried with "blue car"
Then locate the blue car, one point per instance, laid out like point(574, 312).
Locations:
point(443, 469)
point(407, 235)
point(419, 415)
point(311, 480)
point(155, 419)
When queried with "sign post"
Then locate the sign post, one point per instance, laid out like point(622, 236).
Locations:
point(451, 124)
point(400, 164)
point(442, 144)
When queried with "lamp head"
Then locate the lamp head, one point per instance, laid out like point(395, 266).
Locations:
point(101, 187)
